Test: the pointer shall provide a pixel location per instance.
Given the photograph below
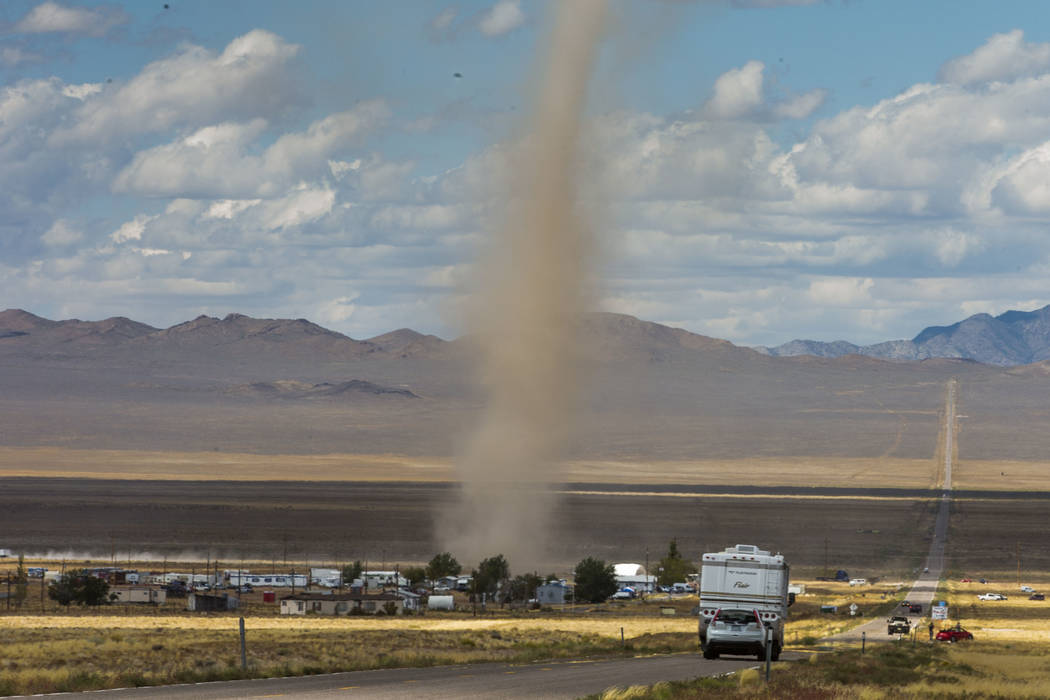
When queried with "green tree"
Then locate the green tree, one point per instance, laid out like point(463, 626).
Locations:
point(523, 587)
point(490, 573)
point(352, 571)
point(414, 574)
point(674, 568)
point(442, 565)
point(595, 580)
point(78, 586)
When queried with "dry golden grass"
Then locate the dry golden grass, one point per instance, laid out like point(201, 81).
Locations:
point(767, 471)
point(606, 626)
point(75, 655)
point(133, 464)
point(1001, 475)
point(1014, 620)
point(807, 622)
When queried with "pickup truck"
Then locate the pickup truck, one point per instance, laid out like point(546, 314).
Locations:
point(898, 624)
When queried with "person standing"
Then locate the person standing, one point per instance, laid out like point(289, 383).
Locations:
point(931, 630)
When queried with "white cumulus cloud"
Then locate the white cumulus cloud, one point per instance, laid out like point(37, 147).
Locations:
point(53, 17)
point(1003, 57)
point(501, 18)
point(194, 87)
point(737, 92)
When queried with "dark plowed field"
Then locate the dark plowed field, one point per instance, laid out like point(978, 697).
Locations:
point(389, 522)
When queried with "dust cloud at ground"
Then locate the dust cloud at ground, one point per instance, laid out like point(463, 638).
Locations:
point(532, 284)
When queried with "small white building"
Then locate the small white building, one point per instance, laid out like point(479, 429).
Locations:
point(441, 602)
point(383, 579)
point(635, 577)
point(276, 580)
point(138, 594)
point(329, 578)
point(339, 603)
point(553, 593)
point(410, 600)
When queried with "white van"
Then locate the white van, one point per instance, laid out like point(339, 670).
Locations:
point(858, 582)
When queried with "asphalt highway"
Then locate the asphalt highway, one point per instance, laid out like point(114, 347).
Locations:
point(541, 681)
point(924, 588)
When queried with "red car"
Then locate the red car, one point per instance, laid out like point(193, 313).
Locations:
point(953, 634)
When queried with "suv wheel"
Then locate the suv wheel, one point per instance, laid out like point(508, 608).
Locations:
point(710, 653)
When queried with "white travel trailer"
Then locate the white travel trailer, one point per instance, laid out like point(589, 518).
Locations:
point(743, 582)
point(329, 578)
point(276, 580)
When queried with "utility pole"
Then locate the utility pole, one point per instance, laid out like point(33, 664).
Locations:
point(648, 579)
point(827, 571)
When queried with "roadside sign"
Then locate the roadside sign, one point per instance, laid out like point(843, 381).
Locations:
point(939, 612)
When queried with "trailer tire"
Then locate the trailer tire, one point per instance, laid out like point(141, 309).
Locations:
point(775, 656)
point(710, 653)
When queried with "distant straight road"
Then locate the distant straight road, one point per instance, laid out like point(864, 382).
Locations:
point(924, 588)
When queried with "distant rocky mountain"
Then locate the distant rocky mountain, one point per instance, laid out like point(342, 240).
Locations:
point(15, 323)
point(603, 337)
point(290, 389)
point(1009, 339)
point(406, 342)
point(234, 336)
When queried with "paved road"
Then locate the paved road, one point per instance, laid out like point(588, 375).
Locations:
point(924, 587)
point(547, 681)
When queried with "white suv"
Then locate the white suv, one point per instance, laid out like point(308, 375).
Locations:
point(736, 632)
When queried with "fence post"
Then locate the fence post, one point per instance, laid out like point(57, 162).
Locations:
point(244, 654)
point(623, 643)
point(769, 650)
point(863, 641)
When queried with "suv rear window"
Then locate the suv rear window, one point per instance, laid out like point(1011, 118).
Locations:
point(736, 617)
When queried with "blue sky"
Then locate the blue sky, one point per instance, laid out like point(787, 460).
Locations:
point(767, 169)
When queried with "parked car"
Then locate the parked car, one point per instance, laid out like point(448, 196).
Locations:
point(954, 634)
point(1027, 589)
point(858, 582)
point(622, 595)
point(966, 580)
point(1037, 596)
point(991, 596)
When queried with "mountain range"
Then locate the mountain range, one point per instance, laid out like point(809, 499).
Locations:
point(1009, 339)
point(644, 390)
